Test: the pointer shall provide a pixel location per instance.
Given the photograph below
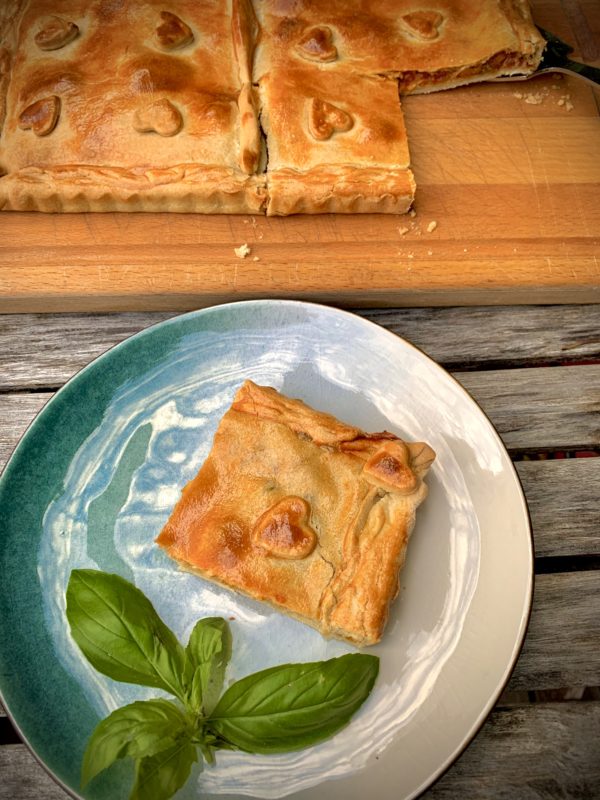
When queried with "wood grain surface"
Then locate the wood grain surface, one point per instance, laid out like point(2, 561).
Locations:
point(561, 646)
point(512, 185)
point(534, 369)
point(537, 752)
point(36, 352)
point(542, 752)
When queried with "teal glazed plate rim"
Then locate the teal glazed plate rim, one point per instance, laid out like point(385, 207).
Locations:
point(97, 473)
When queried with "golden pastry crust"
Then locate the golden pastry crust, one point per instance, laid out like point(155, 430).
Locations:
point(100, 91)
point(426, 46)
point(135, 106)
point(182, 188)
point(340, 189)
point(336, 143)
point(297, 509)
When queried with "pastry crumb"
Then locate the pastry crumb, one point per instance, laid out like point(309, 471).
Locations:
point(518, 95)
point(256, 258)
point(412, 213)
point(242, 251)
point(534, 99)
point(432, 226)
point(410, 255)
point(430, 252)
point(402, 231)
point(565, 102)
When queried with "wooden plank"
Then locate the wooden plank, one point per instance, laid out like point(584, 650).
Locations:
point(16, 413)
point(23, 778)
point(550, 408)
point(45, 351)
point(562, 496)
point(459, 268)
point(514, 335)
point(541, 751)
point(40, 351)
point(561, 646)
point(513, 187)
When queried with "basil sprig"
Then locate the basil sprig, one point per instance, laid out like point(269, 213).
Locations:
point(276, 710)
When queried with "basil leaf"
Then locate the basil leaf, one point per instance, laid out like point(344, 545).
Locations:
point(120, 633)
point(295, 705)
point(207, 655)
point(139, 729)
point(158, 777)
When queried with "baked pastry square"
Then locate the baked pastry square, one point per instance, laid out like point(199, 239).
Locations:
point(437, 45)
point(128, 106)
point(297, 509)
point(336, 142)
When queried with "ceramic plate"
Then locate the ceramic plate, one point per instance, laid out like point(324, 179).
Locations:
point(95, 478)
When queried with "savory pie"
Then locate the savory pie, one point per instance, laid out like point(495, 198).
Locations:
point(339, 148)
point(302, 511)
point(231, 105)
point(129, 106)
point(426, 46)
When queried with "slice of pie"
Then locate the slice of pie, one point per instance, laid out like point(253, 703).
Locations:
point(297, 509)
point(336, 143)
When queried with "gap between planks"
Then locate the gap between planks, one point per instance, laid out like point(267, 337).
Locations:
point(540, 751)
point(46, 350)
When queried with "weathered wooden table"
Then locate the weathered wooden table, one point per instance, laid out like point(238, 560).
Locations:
point(536, 372)
point(511, 175)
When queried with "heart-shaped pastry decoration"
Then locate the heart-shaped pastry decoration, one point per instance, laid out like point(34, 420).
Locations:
point(41, 117)
point(56, 33)
point(423, 25)
point(317, 45)
point(283, 530)
point(325, 119)
point(173, 32)
point(5, 61)
point(159, 117)
point(390, 468)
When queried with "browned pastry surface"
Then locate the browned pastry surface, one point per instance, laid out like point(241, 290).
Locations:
point(297, 509)
point(127, 109)
point(336, 142)
point(135, 106)
point(427, 46)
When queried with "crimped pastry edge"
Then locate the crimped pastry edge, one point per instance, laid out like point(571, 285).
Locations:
point(341, 189)
point(184, 188)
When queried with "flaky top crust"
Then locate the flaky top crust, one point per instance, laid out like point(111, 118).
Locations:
point(100, 92)
point(393, 37)
point(334, 145)
point(300, 510)
point(99, 98)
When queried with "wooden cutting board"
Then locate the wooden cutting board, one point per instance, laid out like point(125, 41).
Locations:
point(507, 211)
